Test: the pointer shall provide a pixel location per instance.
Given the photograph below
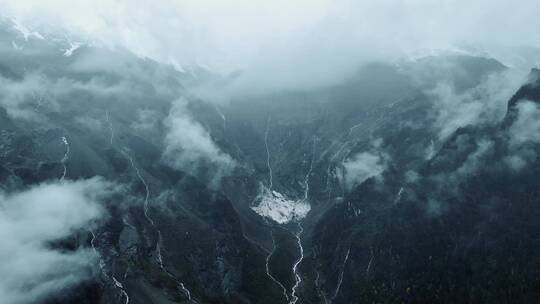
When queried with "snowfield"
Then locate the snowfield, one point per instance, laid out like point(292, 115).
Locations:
point(274, 205)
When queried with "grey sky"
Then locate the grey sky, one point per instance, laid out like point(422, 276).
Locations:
point(287, 44)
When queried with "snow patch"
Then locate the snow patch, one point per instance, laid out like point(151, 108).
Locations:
point(279, 208)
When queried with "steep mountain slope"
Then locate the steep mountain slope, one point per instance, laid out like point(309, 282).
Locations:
point(463, 230)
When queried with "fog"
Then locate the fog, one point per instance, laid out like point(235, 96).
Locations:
point(523, 134)
point(283, 44)
point(30, 220)
point(485, 103)
point(527, 126)
point(361, 167)
point(189, 146)
point(337, 109)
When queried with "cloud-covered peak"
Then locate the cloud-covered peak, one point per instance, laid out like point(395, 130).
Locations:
point(324, 40)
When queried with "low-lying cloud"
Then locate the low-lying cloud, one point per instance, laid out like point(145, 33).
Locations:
point(20, 98)
point(523, 135)
point(483, 104)
point(24, 98)
point(360, 167)
point(526, 128)
point(282, 44)
point(29, 221)
point(189, 146)
point(120, 78)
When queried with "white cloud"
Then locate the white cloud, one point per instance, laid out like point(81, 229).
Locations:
point(483, 104)
point(478, 152)
point(522, 135)
point(284, 44)
point(526, 128)
point(89, 123)
point(22, 98)
point(189, 146)
point(435, 208)
point(29, 221)
point(146, 120)
point(516, 162)
point(360, 167)
point(475, 159)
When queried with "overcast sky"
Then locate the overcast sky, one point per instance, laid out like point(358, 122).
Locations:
point(286, 43)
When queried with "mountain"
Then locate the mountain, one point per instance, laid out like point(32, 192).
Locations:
point(463, 230)
point(369, 190)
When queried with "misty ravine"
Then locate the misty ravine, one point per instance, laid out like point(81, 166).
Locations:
point(269, 167)
point(317, 280)
point(222, 116)
point(122, 289)
point(39, 101)
point(368, 267)
point(270, 185)
point(341, 273)
point(103, 270)
point(310, 170)
point(96, 251)
point(159, 258)
point(268, 257)
point(65, 158)
point(110, 126)
point(297, 276)
point(331, 171)
point(398, 195)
